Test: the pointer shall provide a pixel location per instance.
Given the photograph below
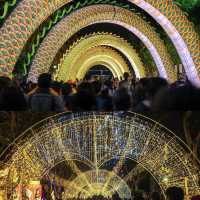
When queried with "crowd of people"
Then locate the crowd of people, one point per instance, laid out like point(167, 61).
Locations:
point(94, 94)
point(172, 193)
point(128, 94)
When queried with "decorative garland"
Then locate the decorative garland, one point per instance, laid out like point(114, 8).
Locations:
point(59, 14)
point(185, 4)
point(84, 38)
point(5, 9)
point(56, 17)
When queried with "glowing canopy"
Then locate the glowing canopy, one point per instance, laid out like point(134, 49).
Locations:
point(29, 14)
point(95, 138)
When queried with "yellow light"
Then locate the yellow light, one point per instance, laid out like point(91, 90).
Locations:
point(84, 137)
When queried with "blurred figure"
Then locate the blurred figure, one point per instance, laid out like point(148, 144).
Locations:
point(96, 86)
point(4, 82)
point(29, 87)
point(122, 100)
point(67, 95)
point(175, 193)
point(56, 86)
point(84, 99)
point(149, 89)
point(104, 101)
point(43, 98)
point(125, 83)
point(140, 91)
point(182, 98)
point(11, 96)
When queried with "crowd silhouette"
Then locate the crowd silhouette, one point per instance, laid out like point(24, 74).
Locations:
point(172, 193)
point(94, 94)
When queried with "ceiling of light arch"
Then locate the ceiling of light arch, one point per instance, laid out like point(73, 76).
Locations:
point(91, 57)
point(44, 9)
point(75, 55)
point(135, 137)
point(93, 14)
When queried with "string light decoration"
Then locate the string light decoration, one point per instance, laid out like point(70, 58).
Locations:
point(103, 56)
point(96, 56)
point(97, 181)
point(181, 32)
point(75, 56)
point(57, 37)
point(96, 138)
point(29, 14)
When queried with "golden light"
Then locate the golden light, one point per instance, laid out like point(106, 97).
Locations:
point(95, 138)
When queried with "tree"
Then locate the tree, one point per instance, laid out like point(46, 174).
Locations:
point(188, 5)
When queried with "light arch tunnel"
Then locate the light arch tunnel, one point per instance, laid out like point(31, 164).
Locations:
point(97, 14)
point(96, 49)
point(98, 56)
point(95, 138)
point(24, 21)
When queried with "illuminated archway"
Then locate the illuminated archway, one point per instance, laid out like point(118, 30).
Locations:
point(97, 14)
point(96, 138)
point(94, 181)
point(29, 14)
point(96, 61)
point(76, 54)
point(113, 66)
point(96, 56)
point(100, 56)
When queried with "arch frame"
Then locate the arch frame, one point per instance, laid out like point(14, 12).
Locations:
point(78, 50)
point(149, 6)
point(150, 131)
point(94, 56)
point(42, 57)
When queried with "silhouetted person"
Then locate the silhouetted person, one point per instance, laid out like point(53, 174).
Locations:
point(11, 96)
point(56, 86)
point(149, 89)
point(4, 82)
point(140, 91)
point(67, 95)
point(104, 101)
point(97, 86)
point(43, 98)
point(125, 83)
point(182, 98)
point(84, 99)
point(122, 100)
point(175, 193)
